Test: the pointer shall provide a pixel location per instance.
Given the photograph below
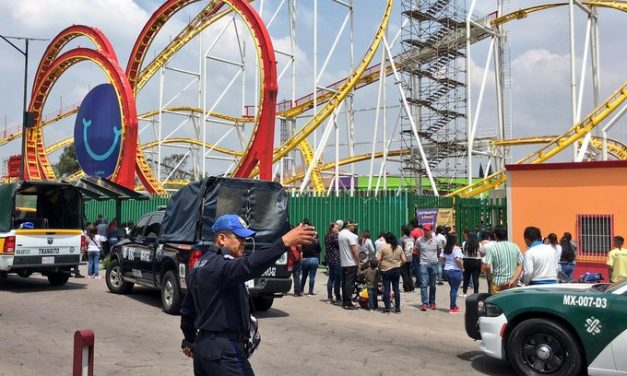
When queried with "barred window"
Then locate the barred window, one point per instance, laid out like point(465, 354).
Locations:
point(594, 233)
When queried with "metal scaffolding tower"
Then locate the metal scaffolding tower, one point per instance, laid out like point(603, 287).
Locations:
point(434, 82)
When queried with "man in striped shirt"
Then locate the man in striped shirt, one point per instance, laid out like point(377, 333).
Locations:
point(503, 262)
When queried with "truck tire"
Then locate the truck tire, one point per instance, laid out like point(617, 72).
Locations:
point(540, 346)
point(170, 293)
point(58, 278)
point(115, 282)
point(24, 273)
point(263, 302)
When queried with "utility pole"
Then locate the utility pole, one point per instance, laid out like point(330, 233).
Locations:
point(27, 118)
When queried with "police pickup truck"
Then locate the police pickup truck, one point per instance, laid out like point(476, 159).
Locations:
point(164, 244)
point(561, 329)
point(41, 229)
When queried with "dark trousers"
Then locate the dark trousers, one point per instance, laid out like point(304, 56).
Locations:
point(406, 274)
point(296, 269)
point(334, 282)
point(373, 302)
point(349, 275)
point(454, 278)
point(472, 268)
point(217, 356)
point(309, 265)
point(391, 277)
point(416, 270)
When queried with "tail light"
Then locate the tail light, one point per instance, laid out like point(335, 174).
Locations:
point(193, 259)
point(84, 243)
point(9, 245)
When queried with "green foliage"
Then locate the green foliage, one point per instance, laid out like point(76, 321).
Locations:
point(105, 262)
point(169, 163)
point(67, 164)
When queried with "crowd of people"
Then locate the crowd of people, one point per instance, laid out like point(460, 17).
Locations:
point(424, 257)
point(101, 236)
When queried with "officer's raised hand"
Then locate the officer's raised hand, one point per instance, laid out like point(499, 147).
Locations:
point(299, 235)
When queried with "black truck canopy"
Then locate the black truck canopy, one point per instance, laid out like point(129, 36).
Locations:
point(192, 211)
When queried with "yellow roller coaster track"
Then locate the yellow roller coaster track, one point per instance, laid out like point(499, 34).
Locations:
point(149, 145)
point(194, 110)
point(371, 75)
point(342, 162)
point(523, 13)
point(614, 147)
point(337, 97)
point(236, 120)
point(557, 145)
point(202, 20)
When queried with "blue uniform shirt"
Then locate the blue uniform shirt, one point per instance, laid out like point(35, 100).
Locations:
point(217, 298)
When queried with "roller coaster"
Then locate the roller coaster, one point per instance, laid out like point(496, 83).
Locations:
point(318, 110)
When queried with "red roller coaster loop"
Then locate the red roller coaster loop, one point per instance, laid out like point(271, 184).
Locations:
point(52, 66)
point(36, 156)
point(61, 40)
point(260, 145)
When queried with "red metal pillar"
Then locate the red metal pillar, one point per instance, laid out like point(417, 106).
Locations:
point(83, 364)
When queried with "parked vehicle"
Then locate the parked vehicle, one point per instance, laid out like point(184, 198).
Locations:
point(41, 229)
point(164, 244)
point(560, 329)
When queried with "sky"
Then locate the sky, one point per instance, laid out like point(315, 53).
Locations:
point(538, 50)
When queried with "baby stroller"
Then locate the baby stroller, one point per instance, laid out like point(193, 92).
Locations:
point(589, 277)
point(360, 291)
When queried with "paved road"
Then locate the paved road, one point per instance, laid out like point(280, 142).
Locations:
point(301, 335)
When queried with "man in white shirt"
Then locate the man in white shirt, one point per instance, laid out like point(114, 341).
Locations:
point(429, 251)
point(539, 260)
point(379, 243)
point(440, 236)
point(349, 259)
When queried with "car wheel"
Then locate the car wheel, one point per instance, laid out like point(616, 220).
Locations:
point(263, 302)
point(542, 346)
point(170, 294)
point(58, 279)
point(115, 282)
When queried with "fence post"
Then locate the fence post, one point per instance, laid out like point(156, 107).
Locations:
point(83, 353)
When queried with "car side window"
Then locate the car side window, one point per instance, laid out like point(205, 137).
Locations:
point(152, 229)
point(139, 228)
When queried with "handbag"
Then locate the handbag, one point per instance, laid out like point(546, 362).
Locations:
point(295, 254)
point(254, 338)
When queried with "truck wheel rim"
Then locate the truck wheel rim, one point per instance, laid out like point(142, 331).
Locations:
point(543, 353)
point(168, 291)
point(115, 277)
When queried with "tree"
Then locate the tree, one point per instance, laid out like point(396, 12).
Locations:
point(67, 164)
point(170, 162)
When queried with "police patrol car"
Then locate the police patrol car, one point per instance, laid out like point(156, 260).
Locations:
point(559, 329)
point(41, 229)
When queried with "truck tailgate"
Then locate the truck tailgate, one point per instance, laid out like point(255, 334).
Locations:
point(43, 247)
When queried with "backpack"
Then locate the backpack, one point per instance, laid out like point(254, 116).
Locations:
point(408, 246)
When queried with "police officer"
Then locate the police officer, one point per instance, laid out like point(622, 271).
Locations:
point(215, 315)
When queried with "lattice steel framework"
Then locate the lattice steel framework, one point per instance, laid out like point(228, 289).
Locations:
point(434, 82)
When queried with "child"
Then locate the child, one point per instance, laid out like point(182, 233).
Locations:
point(372, 276)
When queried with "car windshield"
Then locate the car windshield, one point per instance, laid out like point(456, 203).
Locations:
point(615, 286)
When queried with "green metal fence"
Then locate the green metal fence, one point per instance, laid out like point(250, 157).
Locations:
point(387, 212)
point(384, 213)
point(469, 213)
point(132, 210)
point(472, 213)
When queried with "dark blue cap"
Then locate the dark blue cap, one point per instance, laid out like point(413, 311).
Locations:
point(233, 223)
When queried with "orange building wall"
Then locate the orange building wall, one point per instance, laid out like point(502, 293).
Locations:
point(550, 196)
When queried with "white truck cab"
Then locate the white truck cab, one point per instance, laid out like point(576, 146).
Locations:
point(41, 229)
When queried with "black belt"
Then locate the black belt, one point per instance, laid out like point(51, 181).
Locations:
point(228, 335)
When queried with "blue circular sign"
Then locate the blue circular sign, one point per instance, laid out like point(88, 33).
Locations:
point(98, 132)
